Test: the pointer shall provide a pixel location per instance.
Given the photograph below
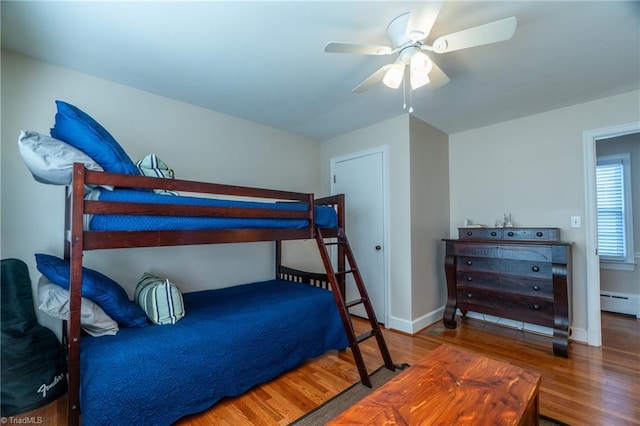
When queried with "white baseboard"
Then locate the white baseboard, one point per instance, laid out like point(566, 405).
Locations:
point(520, 325)
point(575, 334)
point(579, 335)
point(414, 326)
point(400, 324)
point(621, 303)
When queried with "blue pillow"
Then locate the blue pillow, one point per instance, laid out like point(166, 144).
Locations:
point(76, 128)
point(96, 287)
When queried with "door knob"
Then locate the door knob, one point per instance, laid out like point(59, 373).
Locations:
point(378, 247)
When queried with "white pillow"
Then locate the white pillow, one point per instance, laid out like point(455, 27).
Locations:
point(50, 160)
point(54, 300)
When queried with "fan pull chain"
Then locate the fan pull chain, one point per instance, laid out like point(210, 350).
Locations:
point(404, 94)
point(410, 101)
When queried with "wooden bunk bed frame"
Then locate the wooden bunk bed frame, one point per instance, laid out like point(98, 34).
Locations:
point(77, 240)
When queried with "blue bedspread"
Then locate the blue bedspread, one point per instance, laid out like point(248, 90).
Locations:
point(230, 340)
point(324, 216)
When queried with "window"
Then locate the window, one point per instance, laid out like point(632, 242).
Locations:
point(615, 230)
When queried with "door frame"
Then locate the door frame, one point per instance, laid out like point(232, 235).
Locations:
point(589, 139)
point(384, 150)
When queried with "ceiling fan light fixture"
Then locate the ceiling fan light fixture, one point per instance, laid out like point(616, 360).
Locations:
point(419, 79)
point(420, 62)
point(420, 67)
point(393, 77)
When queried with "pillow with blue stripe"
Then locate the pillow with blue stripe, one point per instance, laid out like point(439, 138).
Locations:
point(75, 127)
point(160, 299)
point(99, 288)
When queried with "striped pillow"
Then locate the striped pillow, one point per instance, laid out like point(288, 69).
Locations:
point(152, 166)
point(159, 299)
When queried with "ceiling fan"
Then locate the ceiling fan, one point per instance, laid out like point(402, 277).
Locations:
point(408, 33)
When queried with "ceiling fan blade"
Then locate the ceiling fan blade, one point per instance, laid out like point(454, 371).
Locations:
point(361, 49)
point(476, 36)
point(421, 19)
point(437, 77)
point(372, 80)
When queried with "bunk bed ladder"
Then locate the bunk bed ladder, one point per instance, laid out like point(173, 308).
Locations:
point(336, 279)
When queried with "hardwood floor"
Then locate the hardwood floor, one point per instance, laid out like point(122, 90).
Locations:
point(594, 386)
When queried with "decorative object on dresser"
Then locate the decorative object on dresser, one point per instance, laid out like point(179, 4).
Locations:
point(523, 274)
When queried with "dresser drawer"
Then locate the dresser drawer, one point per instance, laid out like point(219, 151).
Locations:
point(506, 284)
point(510, 234)
point(480, 233)
point(531, 234)
point(503, 250)
point(540, 270)
point(504, 305)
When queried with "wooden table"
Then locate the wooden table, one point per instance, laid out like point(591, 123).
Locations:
point(451, 387)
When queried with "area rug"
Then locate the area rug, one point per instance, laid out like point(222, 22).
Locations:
point(347, 398)
point(350, 396)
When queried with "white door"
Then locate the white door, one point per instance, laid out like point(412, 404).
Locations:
point(361, 177)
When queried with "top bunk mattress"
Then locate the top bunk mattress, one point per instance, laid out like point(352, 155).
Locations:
point(324, 216)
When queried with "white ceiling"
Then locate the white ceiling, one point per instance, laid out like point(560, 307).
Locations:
point(264, 61)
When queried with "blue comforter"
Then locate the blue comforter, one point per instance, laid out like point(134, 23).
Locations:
point(230, 340)
point(324, 216)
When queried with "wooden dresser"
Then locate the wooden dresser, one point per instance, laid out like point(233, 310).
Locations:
point(523, 274)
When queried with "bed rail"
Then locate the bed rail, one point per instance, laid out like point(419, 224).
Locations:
point(109, 239)
point(131, 181)
point(298, 276)
point(338, 202)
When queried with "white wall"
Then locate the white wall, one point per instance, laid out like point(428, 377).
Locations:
point(429, 167)
point(198, 144)
point(533, 167)
point(395, 134)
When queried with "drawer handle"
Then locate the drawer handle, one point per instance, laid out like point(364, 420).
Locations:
point(494, 233)
point(469, 279)
point(469, 233)
point(536, 307)
point(469, 262)
point(510, 233)
point(535, 268)
point(469, 296)
point(539, 234)
point(536, 288)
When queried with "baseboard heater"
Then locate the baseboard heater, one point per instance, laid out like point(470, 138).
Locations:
point(621, 303)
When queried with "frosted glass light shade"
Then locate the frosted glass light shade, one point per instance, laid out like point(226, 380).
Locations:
point(393, 76)
point(420, 67)
point(419, 79)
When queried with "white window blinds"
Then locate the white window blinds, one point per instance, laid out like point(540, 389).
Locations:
point(611, 209)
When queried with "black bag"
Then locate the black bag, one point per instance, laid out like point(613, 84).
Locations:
point(33, 362)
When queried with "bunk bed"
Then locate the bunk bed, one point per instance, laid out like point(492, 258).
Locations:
point(230, 339)
point(255, 331)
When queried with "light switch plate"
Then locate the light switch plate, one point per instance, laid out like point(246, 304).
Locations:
point(576, 222)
